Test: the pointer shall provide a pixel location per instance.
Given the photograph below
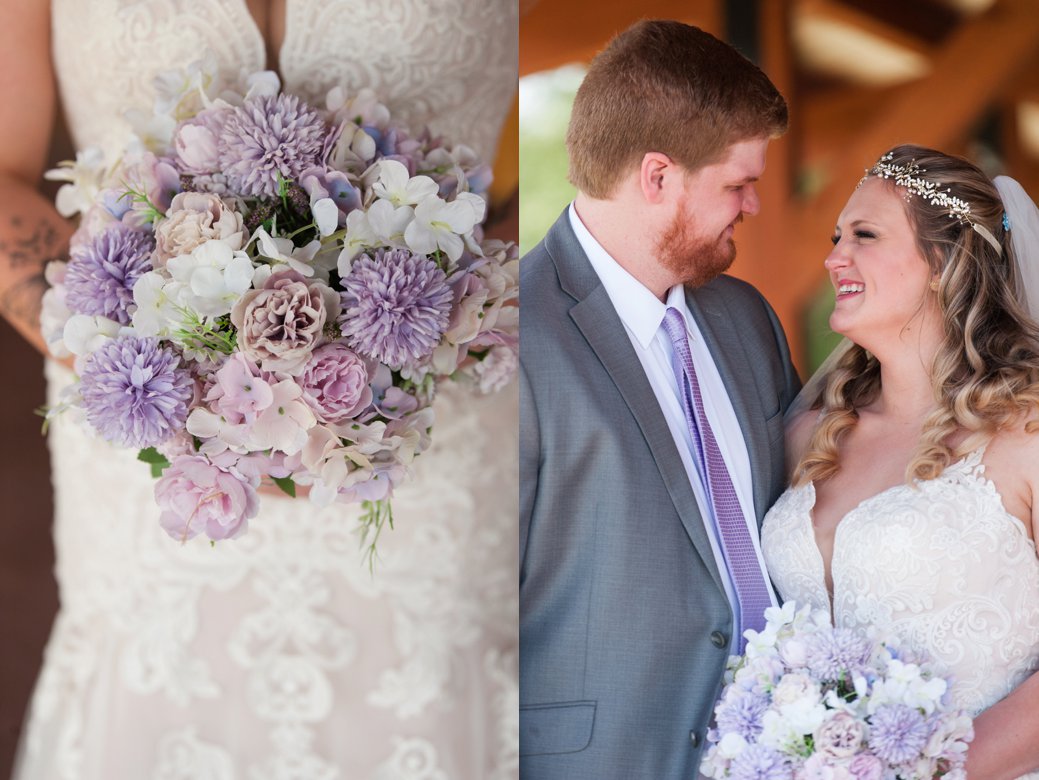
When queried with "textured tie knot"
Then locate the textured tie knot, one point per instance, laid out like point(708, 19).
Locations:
point(674, 324)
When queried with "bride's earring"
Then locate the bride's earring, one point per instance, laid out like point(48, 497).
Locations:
point(934, 285)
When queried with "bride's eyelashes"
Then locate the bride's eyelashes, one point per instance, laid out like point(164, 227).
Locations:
point(860, 234)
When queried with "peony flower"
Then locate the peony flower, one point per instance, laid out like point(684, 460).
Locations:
point(267, 139)
point(193, 219)
point(841, 736)
point(282, 323)
point(395, 307)
point(196, 142)
point(134, 391)
point(866, 766)
point(100, 275)
point(335, 383)
point(196, 496)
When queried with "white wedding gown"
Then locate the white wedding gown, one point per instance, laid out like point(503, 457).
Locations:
point(278, 655)
point(942, 566)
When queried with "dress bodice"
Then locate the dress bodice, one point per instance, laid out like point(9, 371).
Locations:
point(940, 564)
point(450, 64)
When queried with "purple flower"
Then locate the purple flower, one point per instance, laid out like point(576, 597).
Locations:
point(758, 762)
point(897, 733)
point(195, 496)
point(267, 138)
point(743, 716)
point(134, 391)
point(842, 652)
point(102, 273)
point(396, 307)
point(335, 383)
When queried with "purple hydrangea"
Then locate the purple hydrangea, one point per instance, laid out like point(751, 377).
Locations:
point(898, 733)
point(102, 273)
point(135, 392)
point(266, 138)
point(759, 762)
point(840, 653)
point(744, 716)
point(396, 307)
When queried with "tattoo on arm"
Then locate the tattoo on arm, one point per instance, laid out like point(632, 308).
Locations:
point(22, 301)
point(33, 246)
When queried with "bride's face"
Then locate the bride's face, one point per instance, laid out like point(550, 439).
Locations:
point(881, 279)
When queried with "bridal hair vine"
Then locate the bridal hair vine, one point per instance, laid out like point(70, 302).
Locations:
point(909, 177)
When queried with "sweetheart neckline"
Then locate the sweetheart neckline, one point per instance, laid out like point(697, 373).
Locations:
point(971, 466)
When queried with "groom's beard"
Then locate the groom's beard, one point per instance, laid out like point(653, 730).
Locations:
point(693, 259)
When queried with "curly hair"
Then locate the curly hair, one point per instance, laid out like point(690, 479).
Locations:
point(985, 373)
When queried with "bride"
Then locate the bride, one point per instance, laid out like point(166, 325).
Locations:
point(277, 655)
point(915, 498)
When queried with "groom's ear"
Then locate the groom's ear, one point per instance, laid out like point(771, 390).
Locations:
point(655, 173)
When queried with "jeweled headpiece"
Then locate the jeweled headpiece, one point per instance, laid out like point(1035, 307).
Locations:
point(909, 176)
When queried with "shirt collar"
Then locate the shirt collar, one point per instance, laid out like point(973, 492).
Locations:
point(639, 309)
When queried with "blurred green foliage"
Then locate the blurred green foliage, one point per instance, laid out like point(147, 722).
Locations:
point(545, 101)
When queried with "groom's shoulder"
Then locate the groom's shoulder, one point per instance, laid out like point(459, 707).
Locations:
point(732, 291)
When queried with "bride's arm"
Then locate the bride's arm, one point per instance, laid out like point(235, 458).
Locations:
point(1006, 736)
point(31, 231)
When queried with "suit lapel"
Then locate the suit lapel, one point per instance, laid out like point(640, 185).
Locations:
point(730, 355)
point(597, 320)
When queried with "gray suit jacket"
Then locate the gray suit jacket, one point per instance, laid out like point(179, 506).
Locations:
point(624, 622)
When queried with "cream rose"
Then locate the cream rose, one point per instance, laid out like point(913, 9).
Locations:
point(194, 218)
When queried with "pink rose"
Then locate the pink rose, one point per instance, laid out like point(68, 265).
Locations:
point(194, 218)
point(866, 766)
point(335, 383)
point(195, 496)
point(840, 737)
point(282, 323)
point(195, 142)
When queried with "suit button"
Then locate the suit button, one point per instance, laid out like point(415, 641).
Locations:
point(694, 739)
point(719, 640)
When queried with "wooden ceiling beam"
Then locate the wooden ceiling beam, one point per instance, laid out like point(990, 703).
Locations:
point(851, 15)
point(936, 111)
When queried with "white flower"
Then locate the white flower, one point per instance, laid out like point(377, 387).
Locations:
point(440, 225)
point(731, 745)
point(796, 687)
point(382, 225)
point(85, 176)
point(213, 276)
point(326, 215)
point(156, 313)
point(396, 186)
point(84, 333)
point(282, 250)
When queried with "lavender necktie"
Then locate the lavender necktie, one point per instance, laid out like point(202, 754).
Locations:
point(737, 547)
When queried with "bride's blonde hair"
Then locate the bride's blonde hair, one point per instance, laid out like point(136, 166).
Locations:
point(985, 373)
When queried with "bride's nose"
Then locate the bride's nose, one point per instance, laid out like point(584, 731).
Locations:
point(835, 259)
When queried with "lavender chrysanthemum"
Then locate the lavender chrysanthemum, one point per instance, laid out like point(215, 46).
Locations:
point(268, 137)
point(759, 762)
point(744, 716)
point(396, 307)
point(897, 733)
point(840, 653)
point(101, 274)
point(134, 391)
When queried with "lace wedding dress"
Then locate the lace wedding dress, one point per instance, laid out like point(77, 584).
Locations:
point(942, 565)
point(278, 655)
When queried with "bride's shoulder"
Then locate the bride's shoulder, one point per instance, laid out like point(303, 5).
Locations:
point(1012, 464)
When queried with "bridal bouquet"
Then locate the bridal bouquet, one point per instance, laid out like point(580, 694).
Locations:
point(811, 702)
point(264, 289)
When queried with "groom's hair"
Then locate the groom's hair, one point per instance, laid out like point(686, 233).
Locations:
point(668, 87)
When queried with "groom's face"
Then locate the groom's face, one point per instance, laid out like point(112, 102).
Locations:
point(698, 244)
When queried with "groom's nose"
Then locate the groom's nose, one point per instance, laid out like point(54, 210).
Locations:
point(751, 203)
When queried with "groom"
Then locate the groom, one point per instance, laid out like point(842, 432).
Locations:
point(651, 418)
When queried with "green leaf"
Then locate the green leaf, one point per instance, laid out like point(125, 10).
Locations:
point(375, 516)
point(286, 484)
point(155, 459)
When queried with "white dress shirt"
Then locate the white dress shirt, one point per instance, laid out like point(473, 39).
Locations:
point(642, 314)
